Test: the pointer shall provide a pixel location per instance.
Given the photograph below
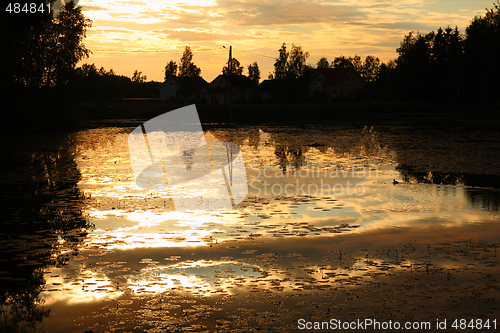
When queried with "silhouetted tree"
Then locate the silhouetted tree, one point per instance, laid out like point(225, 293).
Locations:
point(296, 65)
point(351, 62)
point(357, 63)
point(323, 63)
point(280, 65)
point(447, 66)
point(254, 72)
point(414, 62)
point(381, 87)
point(66, 47)
point(447, 54)
point(432, 63)
point(187, 67)
point(291, 74)
point(235, 68)
point(254, 76)
point(138, 78)
point(42, 50)
point(290, 64)
point(370, 68)
point(94, 84)
point(170, 69)
point(482, 51)
point(367, 69)
point(39, 52)
point(342, 62)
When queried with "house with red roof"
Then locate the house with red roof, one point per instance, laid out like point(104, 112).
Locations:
point(335, 82)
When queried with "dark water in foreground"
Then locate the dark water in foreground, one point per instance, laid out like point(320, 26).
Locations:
point(84, 249)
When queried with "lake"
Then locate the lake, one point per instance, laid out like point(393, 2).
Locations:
point(339, 224)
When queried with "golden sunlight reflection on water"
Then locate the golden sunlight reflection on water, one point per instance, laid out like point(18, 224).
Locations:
point(279, 244)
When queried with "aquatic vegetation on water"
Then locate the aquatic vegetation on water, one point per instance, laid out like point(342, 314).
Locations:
point(415, 251)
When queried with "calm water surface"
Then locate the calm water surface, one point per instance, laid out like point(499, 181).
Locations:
point(323, 233)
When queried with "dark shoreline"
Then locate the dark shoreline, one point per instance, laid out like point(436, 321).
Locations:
point(358, 115)
point(354, 114)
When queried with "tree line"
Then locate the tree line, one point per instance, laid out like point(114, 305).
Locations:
point(93, 84)
point(445, 65)
point(440, 66)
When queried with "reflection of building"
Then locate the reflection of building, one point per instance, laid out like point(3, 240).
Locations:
point(187, 158)
point(220, 89)
point(188, 87)
point(335, 82)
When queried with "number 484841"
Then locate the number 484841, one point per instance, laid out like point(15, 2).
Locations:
point(474, 324)
point(32, 8)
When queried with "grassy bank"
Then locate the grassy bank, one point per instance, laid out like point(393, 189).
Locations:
point(353, 114)
point(362, 113)
point(388, 113)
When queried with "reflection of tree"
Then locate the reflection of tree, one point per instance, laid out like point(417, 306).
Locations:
point(292, 145)
point(254, 138)
point(369, 142)
point(289, 156)
point(450, 157)
point(289, 149)
point(423, 156)
point(360, 143)
point(42, 208)
point(486, 198)
point(482, 190)
point(411, 174)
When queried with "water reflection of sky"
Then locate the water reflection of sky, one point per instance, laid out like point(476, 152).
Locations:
point(272, 243)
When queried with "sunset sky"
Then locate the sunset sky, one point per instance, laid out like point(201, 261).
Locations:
point(129, 35)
